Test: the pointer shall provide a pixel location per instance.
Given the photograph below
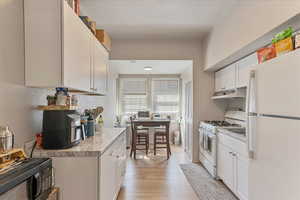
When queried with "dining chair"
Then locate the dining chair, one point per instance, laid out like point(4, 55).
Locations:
point(162, 140)
point(140, 139)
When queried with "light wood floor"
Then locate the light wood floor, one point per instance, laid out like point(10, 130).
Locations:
point(156, 178)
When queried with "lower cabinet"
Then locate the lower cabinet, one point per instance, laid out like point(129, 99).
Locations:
point(242, 177)
point(233, 168)
point(92, 178)
point(226, 165)
point(113, 166)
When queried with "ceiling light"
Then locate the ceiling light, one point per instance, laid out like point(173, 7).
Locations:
point(147, 68)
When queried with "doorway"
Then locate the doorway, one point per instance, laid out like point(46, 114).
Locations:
point(144, 77)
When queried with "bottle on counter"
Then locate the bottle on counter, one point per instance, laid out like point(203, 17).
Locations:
point(99, 124)
point(74, 100)
point(90, 126)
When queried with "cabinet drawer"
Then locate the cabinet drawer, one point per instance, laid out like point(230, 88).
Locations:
point(234, 144)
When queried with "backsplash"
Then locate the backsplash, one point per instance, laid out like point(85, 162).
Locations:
point(236, 104)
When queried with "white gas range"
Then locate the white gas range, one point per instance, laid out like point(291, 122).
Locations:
point(208, 138)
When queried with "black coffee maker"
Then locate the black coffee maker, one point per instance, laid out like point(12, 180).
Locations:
point(61, 129)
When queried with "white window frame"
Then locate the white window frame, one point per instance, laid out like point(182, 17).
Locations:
point(149, 90)
point(179, 92)
point(120, 108)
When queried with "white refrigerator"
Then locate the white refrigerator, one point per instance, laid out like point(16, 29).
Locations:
point(273, 107)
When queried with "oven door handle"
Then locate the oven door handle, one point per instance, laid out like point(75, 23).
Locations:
point(206, 142)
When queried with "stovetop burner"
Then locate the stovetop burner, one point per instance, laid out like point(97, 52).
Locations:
point(221, 123)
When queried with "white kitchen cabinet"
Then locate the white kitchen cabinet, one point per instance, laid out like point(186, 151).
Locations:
point(76, 177)
point(60, 51)
point(244, 67)
point(108, 175)
point(225, 78)
point(241, 176)
point(226, 165)
point(219, 81)
point(76, 52)
point(113, 165)
point(91, 177)
point(99, 68)
point(233, 165)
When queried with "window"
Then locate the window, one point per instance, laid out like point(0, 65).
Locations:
point(159, 95)
point(133, 95)
point(165, 95)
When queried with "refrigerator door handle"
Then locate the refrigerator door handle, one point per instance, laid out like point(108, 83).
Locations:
point(251, 129)
point(251, 118)
point(251, 94)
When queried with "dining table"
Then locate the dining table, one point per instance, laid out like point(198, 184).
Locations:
point(153, 123)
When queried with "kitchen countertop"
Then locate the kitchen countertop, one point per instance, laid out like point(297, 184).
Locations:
point(91, 147)
point(237, 136)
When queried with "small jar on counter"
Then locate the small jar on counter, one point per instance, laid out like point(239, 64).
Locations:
point(74, 100)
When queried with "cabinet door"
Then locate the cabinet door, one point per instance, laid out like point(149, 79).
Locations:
point(76, 51)
point(218, 81)
point(226, 165)
point(241, 177)
point(100, 69)
point(76, 177)
point(225, 78)
point(228, 77)
point(244, 67)
point(107, 175)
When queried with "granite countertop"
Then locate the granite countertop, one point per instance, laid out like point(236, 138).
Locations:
point(91, 147)
point(237, 136)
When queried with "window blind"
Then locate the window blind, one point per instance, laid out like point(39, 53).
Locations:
point(165, 95)
point(133, 95)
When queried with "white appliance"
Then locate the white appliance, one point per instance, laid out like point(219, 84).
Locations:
point(208, 141)
point(274, 129)
point(208, 147)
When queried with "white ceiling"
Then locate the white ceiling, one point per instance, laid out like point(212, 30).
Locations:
point(158, 66)
point(156, 19)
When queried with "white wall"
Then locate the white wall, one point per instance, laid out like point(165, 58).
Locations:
point(17, 102)
point(203, 83)
point(247, 21)
point(111, 98)
point(186, 77)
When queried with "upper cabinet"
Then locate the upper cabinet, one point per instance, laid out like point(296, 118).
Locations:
point(60, 51)
point(244, 67)
point(235, 75)
point(225, 79)
point(77, 51)
point(100, 68)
